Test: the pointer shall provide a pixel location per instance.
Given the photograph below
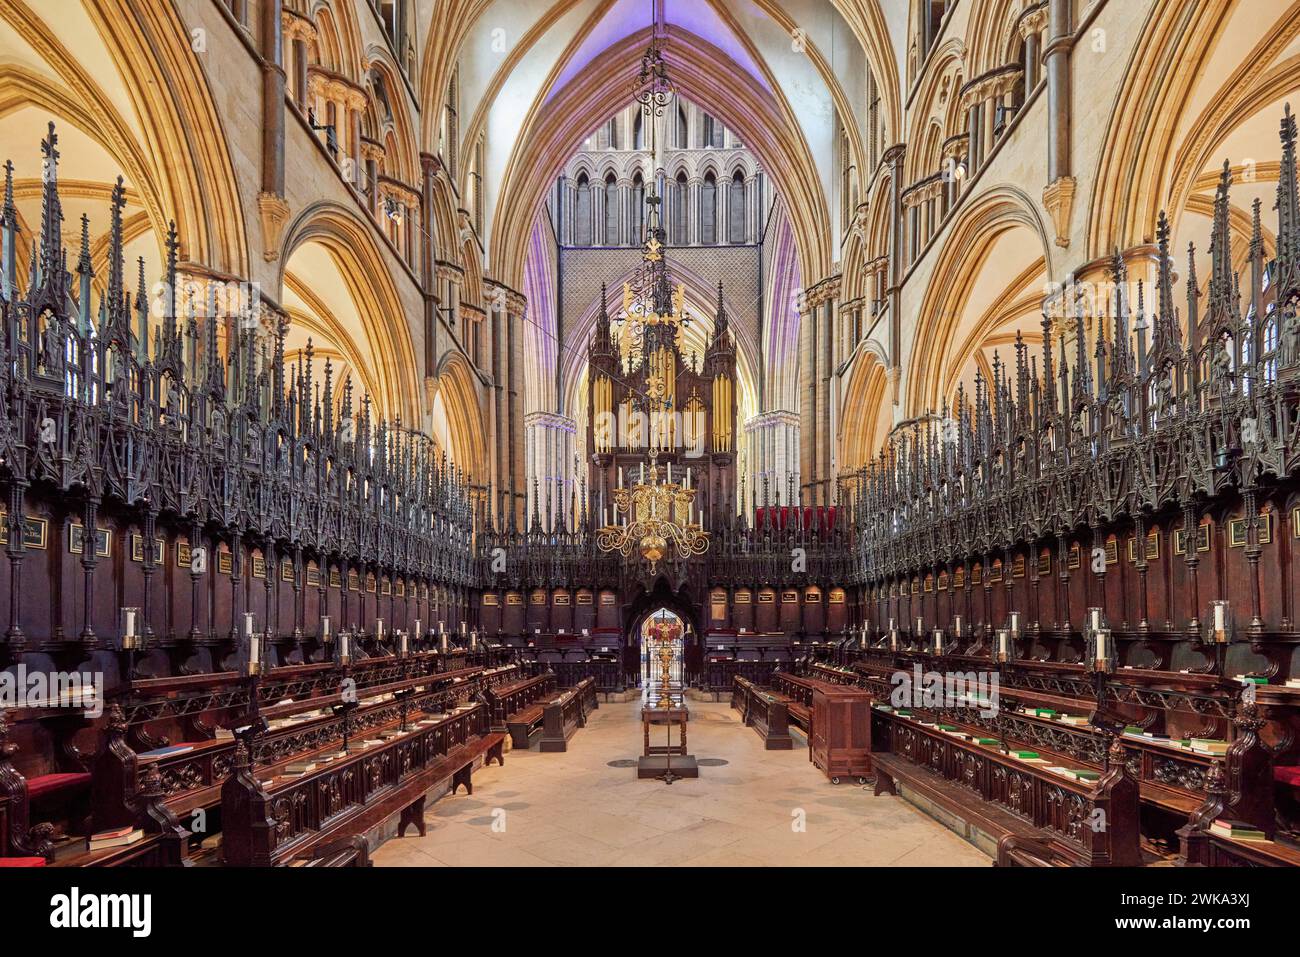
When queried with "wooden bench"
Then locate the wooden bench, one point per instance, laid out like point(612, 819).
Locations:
point(193, 779)
point(507, 701)
point(460, 765)
point(1172, 779)
point(764, 711)
point(563, 716)
point(524, 724)
point(1068, 821)
point(271, 822)
point(800, 693)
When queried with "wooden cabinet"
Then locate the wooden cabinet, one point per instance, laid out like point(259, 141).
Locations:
point(840, 742)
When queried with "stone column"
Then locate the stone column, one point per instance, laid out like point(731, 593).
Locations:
point(1058, 196)
point(1031, 30)
point(773, 452)
point(515, 304)
point(549, 441)
point(693, 211)
point(894, 157)
point(273, 209)
point(429, 167)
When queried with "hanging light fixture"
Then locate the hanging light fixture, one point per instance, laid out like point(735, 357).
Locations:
point(658, 520)
point(654, 88)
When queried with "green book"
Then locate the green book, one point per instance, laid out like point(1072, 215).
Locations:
point(1087, 775)
point(1023, 755)
point(986, 740)
point(947, 727)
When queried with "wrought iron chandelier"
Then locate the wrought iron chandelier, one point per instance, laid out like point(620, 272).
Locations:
point(658, 519)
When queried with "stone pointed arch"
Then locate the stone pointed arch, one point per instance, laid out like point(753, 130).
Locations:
point(556, 128)
point(353, 250)
point(938, 333)
point(466, 422)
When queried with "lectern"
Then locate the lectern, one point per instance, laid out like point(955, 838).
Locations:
point(659, 759)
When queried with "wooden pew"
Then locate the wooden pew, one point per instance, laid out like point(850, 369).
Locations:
point(764, 711)
point(1172, 779)
point(191, 782)
point(1038, 817)
point(269, 821)
point(517, 707)
point(800, 693)
point(563, 716)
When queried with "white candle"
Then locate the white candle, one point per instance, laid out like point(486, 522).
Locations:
point(441, 627)
point(343, 645)
point(417, 628)
point(956, 626)
point(938, 641)
point(130, 623)
point(253, 649)
point(1096, 617)
point(620, 476)
point(402, 644)
point(248, 623)
point(379, 628)
point(670, 473)
point(325, 626)
point(688, 476)
point(1101, 646)
point(1218, 616)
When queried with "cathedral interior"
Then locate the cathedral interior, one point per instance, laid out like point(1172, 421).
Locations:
point(506, 392)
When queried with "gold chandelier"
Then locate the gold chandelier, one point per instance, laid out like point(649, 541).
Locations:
point(658, 519)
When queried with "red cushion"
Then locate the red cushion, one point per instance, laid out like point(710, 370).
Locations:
point(22, 862)
point(1289, 775)
point(51, 783)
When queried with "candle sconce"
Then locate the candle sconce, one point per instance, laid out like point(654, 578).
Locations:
point(252, 658)
point(1218, 632)
point(1100, 651)
point(132, 640)
point(937, 642)
point(1004, 648)
point(343, 655)
point(1098, 644)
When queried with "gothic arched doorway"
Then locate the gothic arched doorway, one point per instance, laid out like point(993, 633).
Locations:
point(661, 603)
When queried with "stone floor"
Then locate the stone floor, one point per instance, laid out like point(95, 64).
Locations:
point(573, 808)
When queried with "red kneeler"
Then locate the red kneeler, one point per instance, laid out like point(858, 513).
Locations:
point(47, 784)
